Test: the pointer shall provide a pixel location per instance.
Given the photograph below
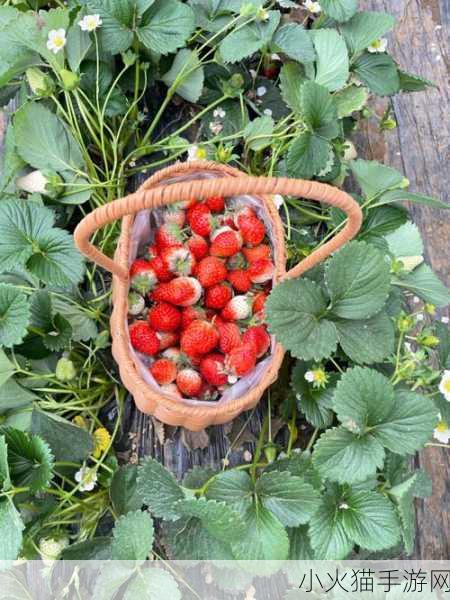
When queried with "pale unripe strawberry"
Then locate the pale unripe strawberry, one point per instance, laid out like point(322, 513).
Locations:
point(238, 308)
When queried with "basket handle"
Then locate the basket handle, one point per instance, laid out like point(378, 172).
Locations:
point(201, 189)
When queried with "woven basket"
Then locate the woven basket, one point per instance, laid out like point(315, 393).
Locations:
point(165, 187)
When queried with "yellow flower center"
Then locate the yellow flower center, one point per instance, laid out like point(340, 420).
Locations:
point(58, 42)
point(320, 377)
point(201, 153)
point(442, 427)
point(446, 385)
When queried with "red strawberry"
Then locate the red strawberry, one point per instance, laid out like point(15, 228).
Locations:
point(167, 339)
point(178, 260)
point(243, 213)
point(271, 71)
point(230, 337)
point(252, 230)
point(159, 266)
point(261, 270)
point(192, 313)
point(240, 361)
point(218, 295)
point(238, 261)
point(151, 252)
point(171, 390)
point(164, 371)
point(238, 308)
point(259, 338)
point(185, 204)
point(143, 338)
point(216, 203)
point(240, 280)
point(189, 382)
point(200, 337)
point(198, 246)
point(168, 235)
point(259, 301)
point(210, 271)
point(142, 276)
point(200, 219)
point(175, 214)
point(258, 252)
point(212, 369)
point(225, 242)
point(181, 291)
point(164, 317)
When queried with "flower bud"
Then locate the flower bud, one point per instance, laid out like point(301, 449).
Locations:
point(70, 80)
point(65, 369)
point(41, 84)
point(46, 182)
point(270, 452)
point(405, 323)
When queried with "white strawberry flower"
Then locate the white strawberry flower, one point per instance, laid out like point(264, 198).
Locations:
point(445, 320)
point(312, 7)
point(310, 377)
point(219, 113)
point(196, 153)
point(442, 432)
point(90, 22)
point(444, 385)
point(378, 46)
point(261, 91)
point(87, 478)
point(34, 182)
point(56, 40)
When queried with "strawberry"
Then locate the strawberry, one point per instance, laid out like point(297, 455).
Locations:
point(181, 291)
point(198, 246)
point(230, 337)
point(259, 338)
point(185, 204)
point(238, 308)
point(164, 371)
point(271, 70)
point(143, 338)
point(215, 204)
point(171, 389)
point(240, 280)
point(175, 214)
point(168, 235)
point(167, 339)
point(136, 304)
point(189, 382)
point(225, 242)
point(142, 276)
point(200, 219)
point(160, 267)
point(252, 230)
point(259, 301)
point(261, 270)
point(243, 213)
point(238, 261)
point(200, 337)
point(218, 295)
point(173, 354)
point(258, 252)
point(164, 317)
point(210, 271)
point(178, 260)
point(192, 313)
point(240, 361)
point(151, 252)
point(212, 369)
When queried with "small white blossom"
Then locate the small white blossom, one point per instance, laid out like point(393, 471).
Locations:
point(261, 91)
point(267, 112)
point(312, 7)
point(275, 56)
point(444, 386)
point(420, 317)
point(219, 113)
point(90, 22)
point(87, 478)
point(442, 432)
point(278, 201)
point(445, 320)
point(196, 153)
point(309, 376)
point(56, 40)
point(34, 182)
point(378, 46)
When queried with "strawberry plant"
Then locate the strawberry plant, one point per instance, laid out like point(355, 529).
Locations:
point(96, 92)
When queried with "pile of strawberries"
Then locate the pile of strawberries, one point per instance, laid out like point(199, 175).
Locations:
point(198, 295)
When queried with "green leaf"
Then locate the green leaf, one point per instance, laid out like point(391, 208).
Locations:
point(291, 79)
point(332, 64)
point(367, 341)
point(374, 178)
point(258, 133)
point(370, 521)
point(295, 314)
point(326, 531)
point(218, 518)
point(67, 441)
point(197, 477)
point(364, 28)
point(315, 404)
point(55, 331)
point(341, 10)
point(405, 196)
point(30, 459)
point(7, 369)
point(350, 100)
point(166, 26)
point(13, 396)
point(289, 498)
point(133, 536)
point(308, 155)
point(14, 315)
point(423, 282)
point(233, 487)
point(405, 241)
point(345, 457)
point(247, 40)
point(379, 73)
point(187, 69)
point(358, 280)
point(83, 327)
point(11, 527)
point(152, 584)
point(187, 539)
point(299, 545)
point(413, 83)
point(159, 489)
point(11, 162)
point(98, 548)
point(115, 34)
point(403, 495)
point(293, 40)
point(78, 44)
point(299, 464)
point(317, 105)
point(443, 333)
point(16, 54)
point(5, 480)
point(44, 141)
point(123, 492)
